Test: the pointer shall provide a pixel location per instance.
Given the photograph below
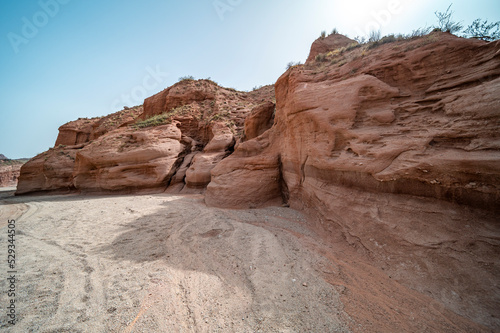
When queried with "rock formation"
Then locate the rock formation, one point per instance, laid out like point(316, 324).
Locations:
point(84, 130)
point(416, 117)
point(9, 175)
point(327, 44)
point(9, 171)
point(373, 142)
point(175, 140)
point(392, 147)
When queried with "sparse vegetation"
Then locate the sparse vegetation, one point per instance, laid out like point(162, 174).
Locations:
point(352, 46)
point(323, 34)
point(383, 40)
point(153, 121)
point(209, 79)
point(360, 40)
point(161, 119)
point(374, 36)
point(292, 64)
point(320, 57)
point(186, 78)
point(483, 30)
point(220, 116)
point(340, 62)
point(334, 32)
point(420, 32)
point(446, 23)
point(480, 29)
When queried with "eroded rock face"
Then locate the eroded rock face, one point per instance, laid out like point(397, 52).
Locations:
point(393, 150)
point(48, 171)
point(408, 132)
point(129, 160)
point(9, 171)
point(421, 122)
point(327, 44)
point(220, 146)
point(9, 174)
point(259, 120)
point(387, 149)
point(84, 130)
point(249, 178)
point(199, 126)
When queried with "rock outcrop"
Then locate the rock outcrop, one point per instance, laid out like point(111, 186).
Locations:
point(173, 142)
point(327, 44)
point(383, 146)
point(392, 148)
point(49, 171)
point(84, 130)
point(416, 117)
point(129, 160)
point(9, 171)
point(9, 175)
point(259, 120)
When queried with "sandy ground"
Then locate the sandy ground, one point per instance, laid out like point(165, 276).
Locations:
point(164, 263)
point(161, 263)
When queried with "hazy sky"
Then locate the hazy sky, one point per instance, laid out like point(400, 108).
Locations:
point(65, 59)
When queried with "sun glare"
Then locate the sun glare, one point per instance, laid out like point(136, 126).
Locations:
point(361, 17)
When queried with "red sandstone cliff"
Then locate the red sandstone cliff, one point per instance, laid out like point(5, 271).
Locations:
point(383, 146)
point(416, 117)
point(173, 141)
point(393, 149)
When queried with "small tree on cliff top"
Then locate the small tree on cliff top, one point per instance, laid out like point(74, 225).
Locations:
point(483, 30)
point(445, 22)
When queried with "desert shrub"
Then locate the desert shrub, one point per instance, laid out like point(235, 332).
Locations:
point(152, 121)
point(446, 23)
point(384, 40)
point(388, 39)
point(483, 30)
point(420, 32)
point(360, 39)
point(334, 32)
point(352, 46)
point(161, 119)
point(342, 62)
point(292, 64)
point(335, 61)
point(186, 78)
point(323, 34)
point(374, 36)
point(320, 57)
point(220, 116)
point(209, 79)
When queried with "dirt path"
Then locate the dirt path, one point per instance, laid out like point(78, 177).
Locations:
point(163, 263)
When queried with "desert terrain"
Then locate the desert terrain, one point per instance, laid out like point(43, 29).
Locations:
point(169, 263)
point(358, 193)
point(162, 263)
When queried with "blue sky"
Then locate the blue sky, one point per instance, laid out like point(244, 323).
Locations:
point(65, 59)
